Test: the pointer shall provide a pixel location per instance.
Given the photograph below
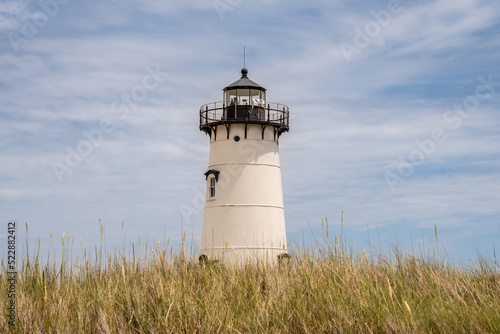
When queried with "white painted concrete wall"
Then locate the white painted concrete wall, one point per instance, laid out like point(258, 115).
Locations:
point(246, 218)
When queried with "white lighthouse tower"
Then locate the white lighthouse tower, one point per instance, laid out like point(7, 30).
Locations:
point(244, 216)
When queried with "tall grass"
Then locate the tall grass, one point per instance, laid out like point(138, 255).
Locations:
point(325, 289)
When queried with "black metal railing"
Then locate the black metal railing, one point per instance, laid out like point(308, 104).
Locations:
point(215, 113)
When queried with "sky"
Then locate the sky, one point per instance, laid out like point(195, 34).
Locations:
point(394, 127)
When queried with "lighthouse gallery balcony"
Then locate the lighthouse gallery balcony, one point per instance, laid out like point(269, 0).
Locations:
point(270, 114)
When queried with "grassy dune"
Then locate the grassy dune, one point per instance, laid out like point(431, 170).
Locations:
point(320, 290)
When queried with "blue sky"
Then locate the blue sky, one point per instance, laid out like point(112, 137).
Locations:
point(394, 115)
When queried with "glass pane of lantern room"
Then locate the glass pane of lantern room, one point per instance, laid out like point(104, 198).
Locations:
point(230, 97)
point(243, 96)
point(254, 96)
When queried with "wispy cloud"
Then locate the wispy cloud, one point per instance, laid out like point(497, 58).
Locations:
point(351, 121)
point(11, 15)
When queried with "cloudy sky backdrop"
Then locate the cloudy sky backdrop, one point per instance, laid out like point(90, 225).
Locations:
point(394, 116)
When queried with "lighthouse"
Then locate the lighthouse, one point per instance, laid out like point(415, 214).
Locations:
point(244, 218)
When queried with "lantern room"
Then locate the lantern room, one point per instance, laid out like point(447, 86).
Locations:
point(244, 101)
point(244, 92)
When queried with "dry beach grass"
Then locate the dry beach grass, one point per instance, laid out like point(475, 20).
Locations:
point(326, 289)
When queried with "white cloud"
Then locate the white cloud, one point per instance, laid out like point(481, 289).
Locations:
point(350, 122)
point(11, 13)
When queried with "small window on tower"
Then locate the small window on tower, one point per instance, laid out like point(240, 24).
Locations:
point(212, 176)
point(211, 190)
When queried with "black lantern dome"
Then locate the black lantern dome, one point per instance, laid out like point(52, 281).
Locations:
point(244, 82)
